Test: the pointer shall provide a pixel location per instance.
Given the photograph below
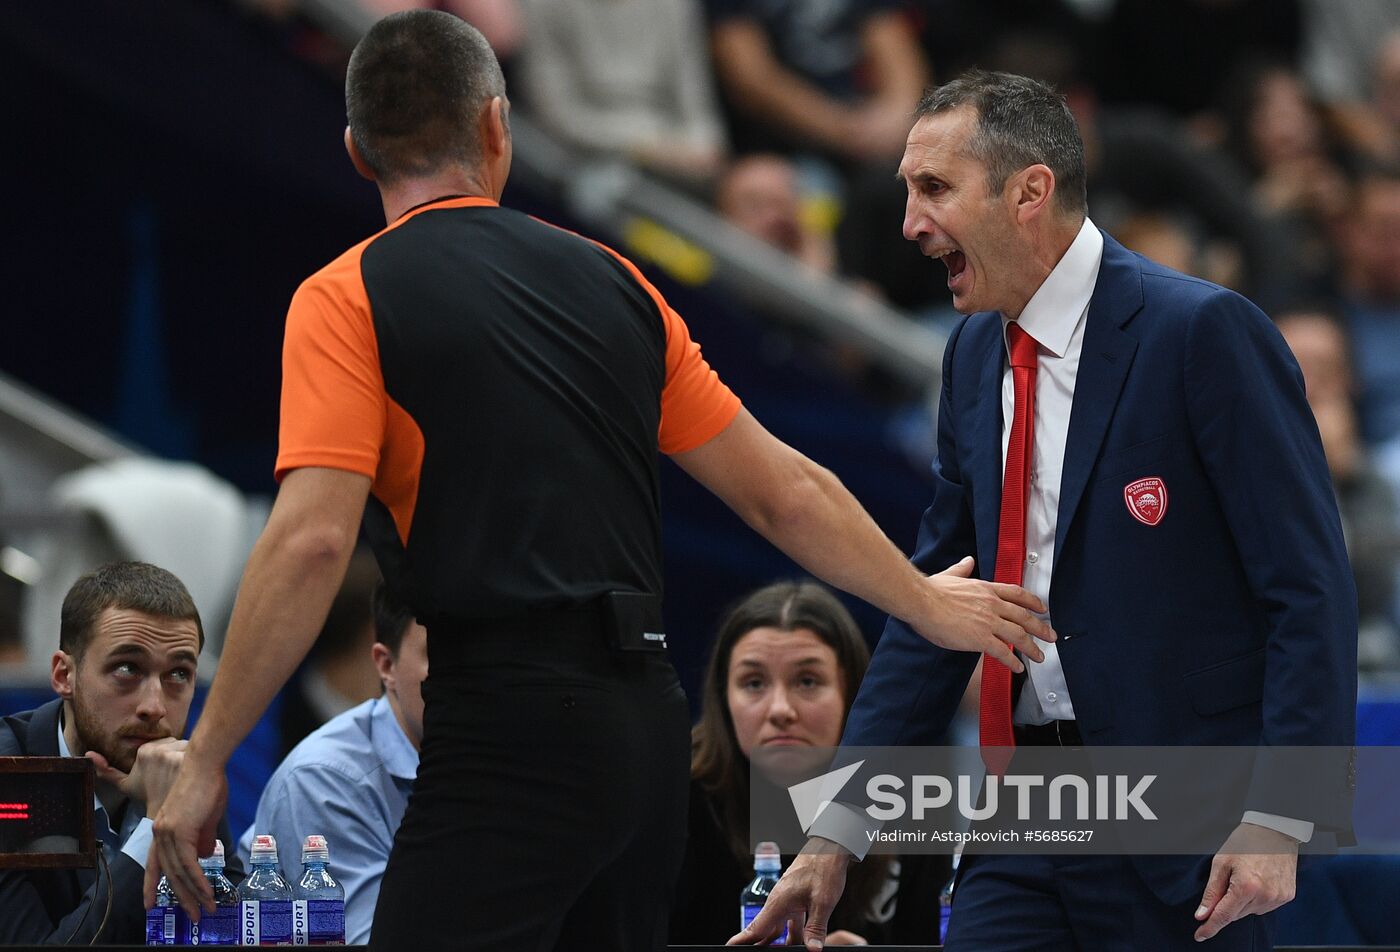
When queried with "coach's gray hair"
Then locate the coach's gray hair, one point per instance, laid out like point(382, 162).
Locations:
point(1020, 122)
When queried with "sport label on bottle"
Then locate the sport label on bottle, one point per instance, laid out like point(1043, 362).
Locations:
point(298, 922)
point(248, 931)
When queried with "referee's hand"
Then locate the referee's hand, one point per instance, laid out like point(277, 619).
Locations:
point(803, 899)
point(992, 618)
point(184, 831)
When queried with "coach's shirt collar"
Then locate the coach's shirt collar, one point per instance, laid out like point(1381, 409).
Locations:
point(1057, 306)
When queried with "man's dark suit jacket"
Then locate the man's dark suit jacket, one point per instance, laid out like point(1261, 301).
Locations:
point(45, 906)
point(1231, 621)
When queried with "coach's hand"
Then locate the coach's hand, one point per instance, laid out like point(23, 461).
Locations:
point(1255, 872)
point(803, 898)
point(184, 831)
point(992, 618)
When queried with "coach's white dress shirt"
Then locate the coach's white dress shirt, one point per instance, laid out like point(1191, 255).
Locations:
point(1055, 318)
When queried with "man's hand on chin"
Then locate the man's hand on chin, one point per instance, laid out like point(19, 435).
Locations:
point(1255, 872)
point(157, 763)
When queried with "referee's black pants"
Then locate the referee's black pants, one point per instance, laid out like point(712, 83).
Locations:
point(549, 811)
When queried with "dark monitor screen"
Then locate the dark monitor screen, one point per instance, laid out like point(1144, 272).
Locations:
point(46, 813)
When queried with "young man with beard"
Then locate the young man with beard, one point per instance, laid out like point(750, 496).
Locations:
point(129, 642)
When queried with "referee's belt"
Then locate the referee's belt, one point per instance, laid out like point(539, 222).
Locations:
point(584, 621)
point(624, 621)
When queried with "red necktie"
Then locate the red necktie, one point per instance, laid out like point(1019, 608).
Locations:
point(995, 713)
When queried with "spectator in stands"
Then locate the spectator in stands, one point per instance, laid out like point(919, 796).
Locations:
point(838, 79)
point(759, 195)
point(783, 671)
point(1295, 159)
point(1371, 123)
point(1366, 118)
point(1161, 238)
point(625, 77)
point(1287, 141)
point(1370, 515)
point(1342, 41)
point(128, 645)
point(335, 677)
point(1372, 295)
point(1171, 241)
point(350, 780)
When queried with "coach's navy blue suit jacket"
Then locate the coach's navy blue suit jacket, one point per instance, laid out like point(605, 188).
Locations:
point(1232, 621)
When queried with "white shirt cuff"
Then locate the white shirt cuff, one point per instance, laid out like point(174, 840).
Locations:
point(843, 824)
point(138, 844)
point(1300, 830)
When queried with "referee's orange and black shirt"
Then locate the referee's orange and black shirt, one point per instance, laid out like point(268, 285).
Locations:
point(506, 385)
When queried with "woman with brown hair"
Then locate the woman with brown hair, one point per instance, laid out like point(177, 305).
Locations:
point(783, 671)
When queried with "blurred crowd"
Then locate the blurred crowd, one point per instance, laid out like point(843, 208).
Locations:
point(1255, 143)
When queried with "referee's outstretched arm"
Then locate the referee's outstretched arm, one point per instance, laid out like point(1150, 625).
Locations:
point(803, 509)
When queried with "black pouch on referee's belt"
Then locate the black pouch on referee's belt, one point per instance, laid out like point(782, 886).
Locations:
point(633, 621)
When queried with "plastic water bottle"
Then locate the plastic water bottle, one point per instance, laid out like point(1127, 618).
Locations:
point(219, 927)
point(164, 919)
point(318, 912)
point(265, 911)
point(767, 867)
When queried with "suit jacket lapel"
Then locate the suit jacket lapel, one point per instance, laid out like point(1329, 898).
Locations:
point(1103, 366)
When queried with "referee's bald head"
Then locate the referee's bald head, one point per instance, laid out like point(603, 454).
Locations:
point(416, 85)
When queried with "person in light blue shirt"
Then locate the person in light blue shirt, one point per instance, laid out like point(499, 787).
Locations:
point(349, 780)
